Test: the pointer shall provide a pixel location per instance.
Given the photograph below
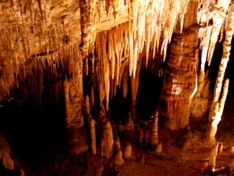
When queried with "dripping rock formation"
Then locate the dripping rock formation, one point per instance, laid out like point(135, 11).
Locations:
point(116, 87)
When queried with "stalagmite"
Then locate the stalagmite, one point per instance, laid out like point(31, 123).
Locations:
point(231, 150)
point(87, 105)
point(106, 142)
point(128, 151)
point(232, 166)
point(212, 158)
point(98, 169)
point(154, 131)
point(158, 148)
point(147, 137)
point(93, 136)
point(220, 149)
point(121, 127)
point(117, 144)
point(118, 158)
point(217, 112)
point(73, 95)
point(6, 155)
point(141, 135)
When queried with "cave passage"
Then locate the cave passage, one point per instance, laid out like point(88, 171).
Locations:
point(147, 98)
point(33, 133)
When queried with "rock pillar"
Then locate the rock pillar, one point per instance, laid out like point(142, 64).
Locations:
point(180, 79)
point(73, 92)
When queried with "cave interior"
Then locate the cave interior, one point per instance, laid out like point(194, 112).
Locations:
point(116, 87)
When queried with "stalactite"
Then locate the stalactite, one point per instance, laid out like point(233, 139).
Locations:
point(66, 96)
point(220, 11)
point(99, 66)
point(122, 69)
point(131, 45)
point(204, 35)
point(134, 90)
point(125, 83)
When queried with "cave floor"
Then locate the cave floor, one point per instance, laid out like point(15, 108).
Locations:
point(191, 159)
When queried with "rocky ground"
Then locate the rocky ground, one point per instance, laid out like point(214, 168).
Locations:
point(191, 157)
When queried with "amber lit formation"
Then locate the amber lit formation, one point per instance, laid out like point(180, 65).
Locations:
point(217, 105)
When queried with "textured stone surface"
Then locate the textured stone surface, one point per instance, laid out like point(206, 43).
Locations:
point(180, 79)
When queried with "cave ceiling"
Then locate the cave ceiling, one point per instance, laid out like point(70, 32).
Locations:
point(51, 35)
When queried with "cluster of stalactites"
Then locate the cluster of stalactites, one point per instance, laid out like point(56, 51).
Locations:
point(148, 25)
point(120, 50)
point(43, 73)
point(213, 17)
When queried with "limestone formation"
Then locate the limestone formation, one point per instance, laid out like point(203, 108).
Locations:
point(216, 108)
point(8, 161)
point(154, 132)
point(121, 127)
point(87, 105)
point(231, 150)
point(118, 158)
point(106, 141)
point(147, 137)
point(74, 115)
point(129, 124)
point(6, 154)
point(158, 148)
point(232, 167)
point(213, 155)
point(92, 124)
point(142, 159)
point(128, 151)
point(98, 169)
point(117, 144)
point(141, 135)
point(179, 89)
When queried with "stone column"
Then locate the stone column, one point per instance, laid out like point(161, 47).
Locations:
point(180, 78)
point(180, 81)
point(73, 92)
